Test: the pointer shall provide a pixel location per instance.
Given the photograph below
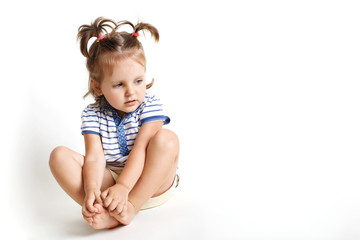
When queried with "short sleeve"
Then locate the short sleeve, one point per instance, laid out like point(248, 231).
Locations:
point(153, 111)
point(90, 120)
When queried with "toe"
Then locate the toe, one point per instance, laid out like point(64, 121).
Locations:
point(89, 220)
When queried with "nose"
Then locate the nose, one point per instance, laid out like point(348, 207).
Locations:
point(129, 91)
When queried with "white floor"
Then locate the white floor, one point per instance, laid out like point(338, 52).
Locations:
point(175, 220)
point(250, 205)
point(50, 214)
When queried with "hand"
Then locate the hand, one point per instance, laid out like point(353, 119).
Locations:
point(91, 197)
point(115, 199)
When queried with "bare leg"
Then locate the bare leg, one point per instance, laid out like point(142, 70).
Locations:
point(158, 174)
point(66, 166)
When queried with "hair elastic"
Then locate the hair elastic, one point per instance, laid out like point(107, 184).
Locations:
point(136, 34)
point(100, 38)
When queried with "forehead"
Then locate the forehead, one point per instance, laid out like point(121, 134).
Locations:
point(116, 62)
point(127, 68)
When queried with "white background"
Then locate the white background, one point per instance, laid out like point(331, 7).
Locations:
point(264, 96)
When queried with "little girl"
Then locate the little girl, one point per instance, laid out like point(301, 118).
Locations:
point(130, 160)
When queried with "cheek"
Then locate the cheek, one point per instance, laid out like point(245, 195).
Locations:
point(112, 94)
point(143, 92)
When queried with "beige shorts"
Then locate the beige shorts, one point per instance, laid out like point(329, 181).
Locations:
point(154, 201)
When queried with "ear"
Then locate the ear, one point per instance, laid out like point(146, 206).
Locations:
point(96, 86)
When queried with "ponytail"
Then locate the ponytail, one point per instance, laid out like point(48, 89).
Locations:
point(96, 29)
point(131, 38)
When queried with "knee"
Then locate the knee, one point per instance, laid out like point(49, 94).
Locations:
point(166, 139)
point(55, 156)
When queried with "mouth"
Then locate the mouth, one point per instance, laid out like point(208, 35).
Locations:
point(130, 103)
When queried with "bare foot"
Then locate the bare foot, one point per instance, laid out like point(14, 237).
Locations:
point(89, 220)
point(102, 219)
point(126, 218)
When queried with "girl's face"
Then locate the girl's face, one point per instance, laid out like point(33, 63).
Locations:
point(125, 89)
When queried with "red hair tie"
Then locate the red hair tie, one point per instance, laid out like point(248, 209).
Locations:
point(100, 38)
point(136, 34)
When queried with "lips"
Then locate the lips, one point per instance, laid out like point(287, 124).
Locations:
point(130, 103)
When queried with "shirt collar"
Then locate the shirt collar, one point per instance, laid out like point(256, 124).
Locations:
point(106, 107)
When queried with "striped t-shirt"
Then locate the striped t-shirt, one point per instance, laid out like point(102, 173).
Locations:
point(118, 134)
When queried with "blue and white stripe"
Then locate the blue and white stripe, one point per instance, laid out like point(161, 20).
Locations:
point(118, 135)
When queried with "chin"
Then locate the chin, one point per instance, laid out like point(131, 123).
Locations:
point(131, 109)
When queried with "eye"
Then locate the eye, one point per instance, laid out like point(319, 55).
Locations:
point(118, 85)
point(139, 81)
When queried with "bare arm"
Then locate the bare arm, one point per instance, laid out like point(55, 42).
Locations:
point(93, 170)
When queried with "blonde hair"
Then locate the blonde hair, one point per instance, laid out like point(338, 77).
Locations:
point(110, 47)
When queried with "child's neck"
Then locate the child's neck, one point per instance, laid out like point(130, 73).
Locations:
point(121, 114)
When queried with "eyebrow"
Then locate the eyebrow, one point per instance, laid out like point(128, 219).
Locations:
point(122, 80)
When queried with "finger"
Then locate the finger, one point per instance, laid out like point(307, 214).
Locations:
point(104, 194)
point(98, 198)
point(124, 209)
point(91, 208)
point(86, 213)
point(114, 205)
point(108, 200)
point(89, 205)
point(118, 210)
point(123, 214)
